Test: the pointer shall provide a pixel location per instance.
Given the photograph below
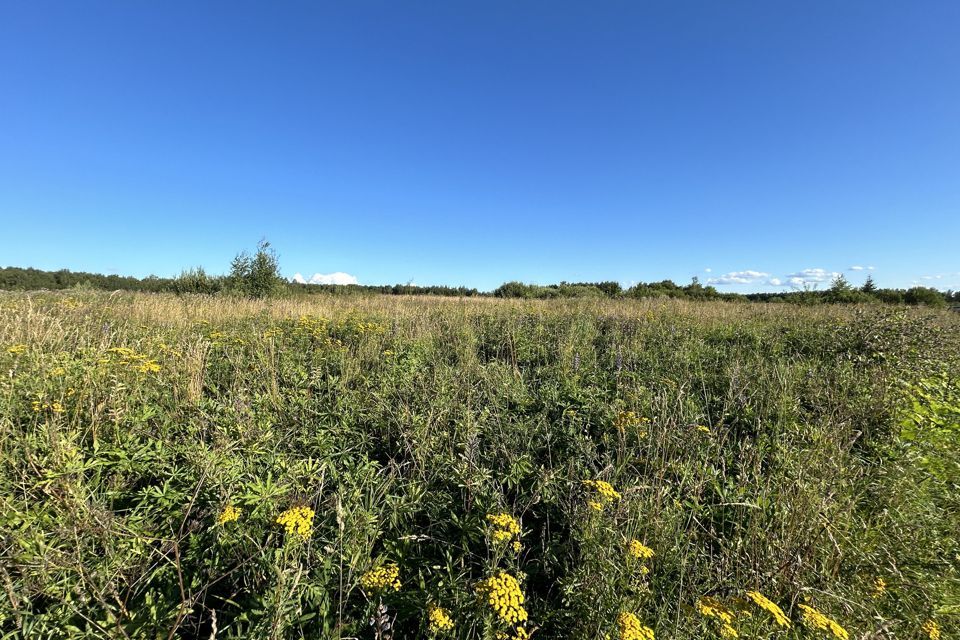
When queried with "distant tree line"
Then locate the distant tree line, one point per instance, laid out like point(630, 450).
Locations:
point(248, 282)
point(840, 291)
point(385, 289)
point(258, 276)
point(28, 279)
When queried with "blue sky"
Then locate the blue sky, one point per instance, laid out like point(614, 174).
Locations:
point(477, 142)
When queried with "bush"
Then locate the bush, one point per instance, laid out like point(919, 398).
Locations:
point(257, 276)
point(196, 281)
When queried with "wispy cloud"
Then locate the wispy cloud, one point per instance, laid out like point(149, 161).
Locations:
point(338, 277)
point(739, 277)
point(775, 282)
point(858, 267)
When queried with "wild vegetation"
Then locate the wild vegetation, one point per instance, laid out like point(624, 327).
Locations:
point(376, 467)
point(258, 276)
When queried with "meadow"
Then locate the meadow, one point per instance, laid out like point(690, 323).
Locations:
point(411, 467)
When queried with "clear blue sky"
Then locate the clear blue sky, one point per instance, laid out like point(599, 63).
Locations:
point(477, 142)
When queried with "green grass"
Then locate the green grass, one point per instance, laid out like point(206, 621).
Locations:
point(799, 452)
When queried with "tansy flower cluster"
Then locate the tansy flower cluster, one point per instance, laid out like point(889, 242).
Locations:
point(17, 349)
point(770, 607)
point(297, 520)
point(129, 357)
point(520, 633)
point(813, 619)
point(605, 494)
point(219, 339)
point(311, 324)
point(361, 327)
point(439, 619)
point(629, 420)
point(504, 529)
point(55, 407)
point(931, 629)
point(631, 628)
point(273, 332)
point(879, 587)
point(502, 593)
point(230, 513)
point(639, 551)
point(383, 578)
point(710, 607)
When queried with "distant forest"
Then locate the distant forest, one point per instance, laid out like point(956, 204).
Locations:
point(196, 281)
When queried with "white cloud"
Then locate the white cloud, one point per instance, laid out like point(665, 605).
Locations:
point(739, 277)
point(775, 282)
point(810, 277)
point(708, 270)
point(856, 267)
point(338, 277)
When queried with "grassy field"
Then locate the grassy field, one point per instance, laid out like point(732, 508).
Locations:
point(407, 467)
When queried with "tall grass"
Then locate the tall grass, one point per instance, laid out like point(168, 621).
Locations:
point(150, 444)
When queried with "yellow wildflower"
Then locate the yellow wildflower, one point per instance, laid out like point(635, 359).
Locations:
point(605, 494)
point(56, 407)
point(879, 587)
point(703, 429)
point(439, 618)
point(770, 607)
point(517, 547)
point(150, 366)
point(520, 633)
point(625, 420)
point(383, 578)
point(230, 513)
point(57, 371)
point(17, 349)
point(728, 632)
point(297, 520)
point(631, 628)
point(710, 607)
point(638, 550)
point(931, 629)
point(604, 488)
point(505, 527)
point(813, 619)
point(502, 592)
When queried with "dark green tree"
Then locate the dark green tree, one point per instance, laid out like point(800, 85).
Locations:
point(868, 286)
point(925, 296)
